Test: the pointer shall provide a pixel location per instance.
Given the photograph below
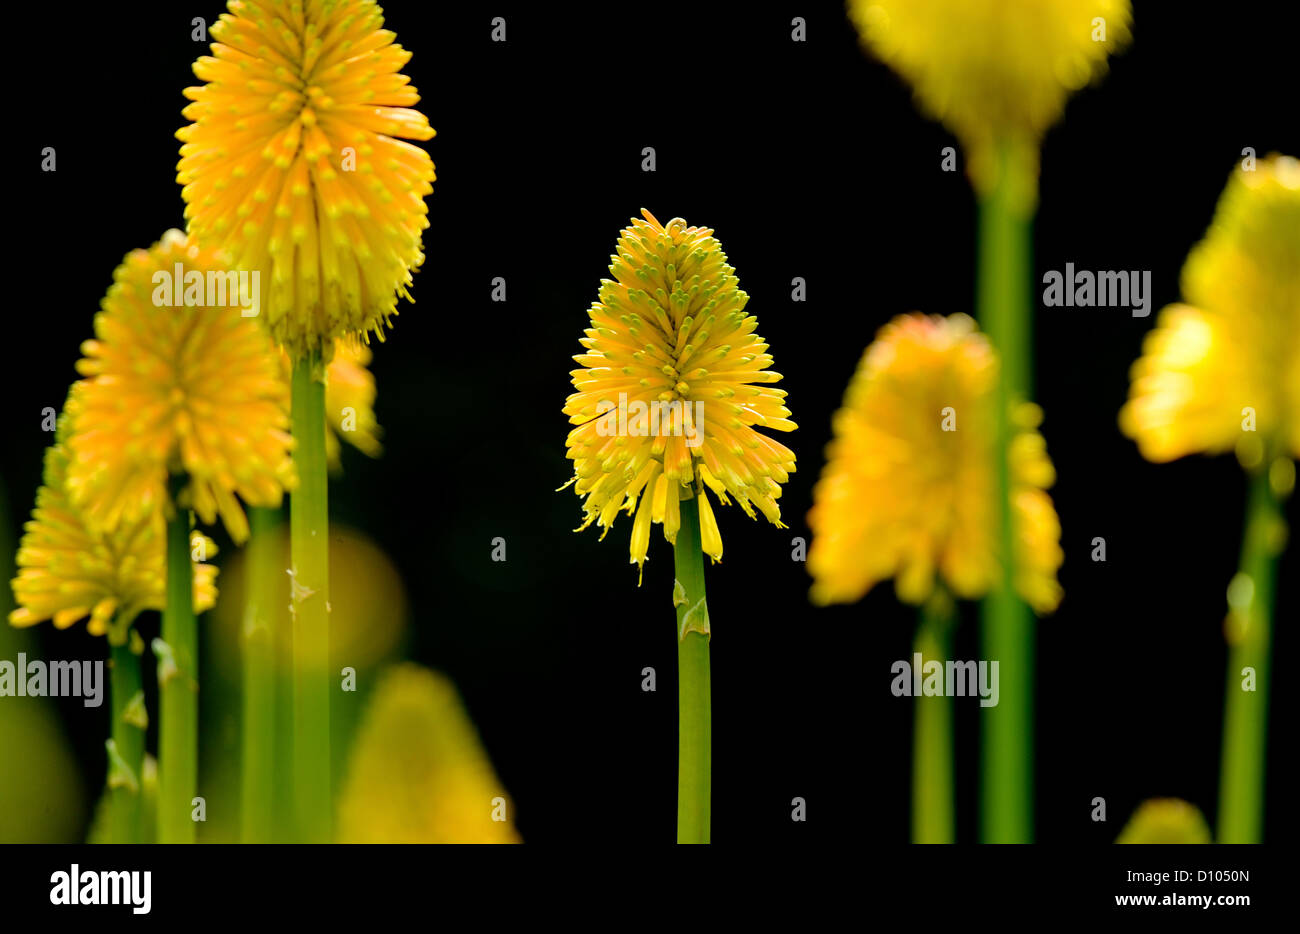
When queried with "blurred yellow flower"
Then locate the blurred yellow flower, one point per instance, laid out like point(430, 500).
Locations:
point(195, 388)
point(369, 609)
point(294, 164)
point(417, 772)
point(908, 490)
point(672, 389)
point(67, 571)
point(1222, 372)
point(350, 401)
point(1165, 820)
point(994, 70)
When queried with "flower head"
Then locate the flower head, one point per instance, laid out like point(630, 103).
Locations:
point(1229, 359)
point(1165, 820)
point(68, 571)
point(295, 165)
point(994, 69)
point(194, 388)
point(909, 487)
point(418, 772)
point(674, 383)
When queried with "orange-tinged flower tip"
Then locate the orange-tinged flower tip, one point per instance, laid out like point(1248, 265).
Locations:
point(909, 486)
point(1165, 820)
point(68, 571)
point(673, 385)
point(295, 164)
point(1222, 371)
point(418, 772)
point(192, 387)
point(994, 69)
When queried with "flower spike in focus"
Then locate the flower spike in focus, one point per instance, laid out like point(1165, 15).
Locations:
point(295, 164)
point(673, 388)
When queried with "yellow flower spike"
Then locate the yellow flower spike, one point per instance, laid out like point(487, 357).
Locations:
point(68, 571)
point(908, 490)
point(674, 385)
point(295, 164)
point(995, 70)
point(1165, 820)
point(192, 388)
point(1222, 372)
point(418, 772)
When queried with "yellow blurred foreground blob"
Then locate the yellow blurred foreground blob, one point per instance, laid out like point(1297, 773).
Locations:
point(368, 605)
point(417, 772)
point(1165, 820)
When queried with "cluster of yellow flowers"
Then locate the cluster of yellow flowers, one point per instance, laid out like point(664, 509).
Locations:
point(197, 391)
point(292, 173)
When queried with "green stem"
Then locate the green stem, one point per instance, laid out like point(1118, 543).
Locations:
point(932, 768)
point(694, 704)
point(264, 576)
point(309, 545)
point(1004, 303)
point(178, 724)
point(126, 757)
point(1245, 717)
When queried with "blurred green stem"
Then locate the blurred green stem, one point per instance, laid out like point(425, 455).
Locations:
point(178, 670)
point(1245, 715)
point(309, 545)
point(694, 700)
point(126, 754)
point(265, 577)
point(1004, 303)
point(932, 754)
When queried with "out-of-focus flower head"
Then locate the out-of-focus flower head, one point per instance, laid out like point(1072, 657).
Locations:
point(68, 571)
point(295, 164)
point(995, 71)
point(190, 388)
point(674, 384)
point(909, 486)
point(417, 772)
point(1165, 820)
point(350, 401)
point(1222, 372)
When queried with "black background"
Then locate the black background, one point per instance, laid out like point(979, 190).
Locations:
point(808, 159)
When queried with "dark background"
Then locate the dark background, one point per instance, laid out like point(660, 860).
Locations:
point(808, 159)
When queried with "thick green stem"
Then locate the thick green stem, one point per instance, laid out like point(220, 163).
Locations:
point(126, 756)
point(178, 669)
point(309, 545)
point(1004, 303)
point(932, 768)
point(1245, 715)
point(265, 579)
point(694, 704)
